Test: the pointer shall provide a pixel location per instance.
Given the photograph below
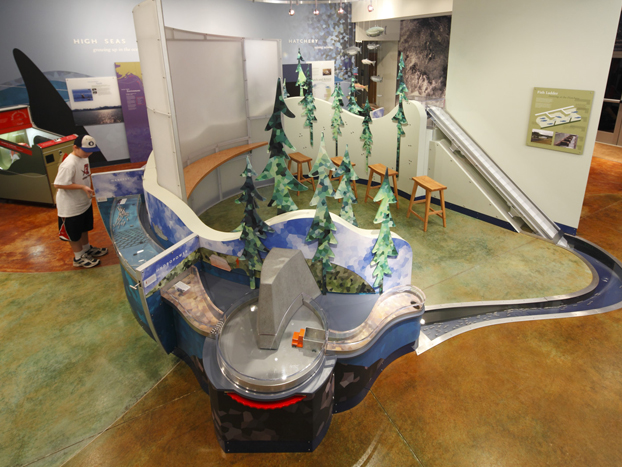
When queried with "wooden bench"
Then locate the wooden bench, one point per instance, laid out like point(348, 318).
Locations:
point(429, 185)
point(380, 169)
point(197, 171)
point(337, 161)
point(300, 159)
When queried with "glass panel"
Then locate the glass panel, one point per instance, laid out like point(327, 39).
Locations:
point(608, 117)
point(614, 81)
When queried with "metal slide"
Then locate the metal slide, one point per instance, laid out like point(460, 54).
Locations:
point(519, 204)
point(603, 294)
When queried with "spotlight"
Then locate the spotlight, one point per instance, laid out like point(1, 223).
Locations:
point(291, 10)
point(316, 11)
point(341, 11)
point(370, 7)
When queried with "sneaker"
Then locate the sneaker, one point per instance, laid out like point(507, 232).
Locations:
point(95, 252)
point(85, 261)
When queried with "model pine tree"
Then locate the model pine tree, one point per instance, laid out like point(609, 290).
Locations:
point(353, 106)
point(276, 168)
point(300, 82)
point(399, 117)
point(322, 161)
point(253, 227)
point(337, 122)
point(344, 191)
point(322, 227)
point(285, 93)
point(308, 105)
point(366, 135)
point(384, 247)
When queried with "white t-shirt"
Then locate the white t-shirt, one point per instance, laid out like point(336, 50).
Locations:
point(73, 169)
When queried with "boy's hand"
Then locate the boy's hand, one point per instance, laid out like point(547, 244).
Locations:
point(89, 191)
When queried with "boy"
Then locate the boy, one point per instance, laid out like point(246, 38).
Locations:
point(73, 201)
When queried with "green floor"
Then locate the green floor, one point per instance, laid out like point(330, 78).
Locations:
point(76, 360)
point(469, 260)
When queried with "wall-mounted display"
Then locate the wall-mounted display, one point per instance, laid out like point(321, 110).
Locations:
point(558, 119)
point(95, 101)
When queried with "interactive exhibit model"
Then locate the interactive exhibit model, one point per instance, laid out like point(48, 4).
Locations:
point(289, 321)
point(29, 157)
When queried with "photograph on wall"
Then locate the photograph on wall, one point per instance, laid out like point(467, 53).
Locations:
point(559, 119)
point(424, 43)
point(542, 136)
point(94, 101)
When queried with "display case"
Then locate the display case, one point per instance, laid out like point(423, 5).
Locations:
point(29, 157)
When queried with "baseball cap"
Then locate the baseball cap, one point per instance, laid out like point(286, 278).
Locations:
point(86, 143)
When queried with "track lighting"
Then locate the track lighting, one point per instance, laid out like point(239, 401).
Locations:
point(370, 7)
point(316, 11)
point(291, 9)
point(341, 11)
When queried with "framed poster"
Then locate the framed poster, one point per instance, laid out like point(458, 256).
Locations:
point(558, 119)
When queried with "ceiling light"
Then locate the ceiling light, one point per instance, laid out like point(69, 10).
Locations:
point(341, 11)
point(316, 11)
point(291, 10)
point(370, 7)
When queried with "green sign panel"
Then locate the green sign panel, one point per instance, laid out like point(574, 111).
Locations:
point(559, 118)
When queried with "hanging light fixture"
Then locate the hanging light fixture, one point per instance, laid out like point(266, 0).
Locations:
point(291, 10)
point(341, 11)
point(316, 11)
point(370, 7)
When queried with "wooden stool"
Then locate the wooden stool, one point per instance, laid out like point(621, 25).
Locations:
point(337, 161)
point(380, 169)
point(429, 186)
point(300, 159)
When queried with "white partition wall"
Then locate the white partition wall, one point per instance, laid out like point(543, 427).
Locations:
point(160, 106)
point(202, 93)
point(207, 76)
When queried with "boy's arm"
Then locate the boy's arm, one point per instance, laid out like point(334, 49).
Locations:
point(76, 186)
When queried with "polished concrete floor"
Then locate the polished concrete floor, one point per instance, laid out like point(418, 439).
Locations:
point(83, 385)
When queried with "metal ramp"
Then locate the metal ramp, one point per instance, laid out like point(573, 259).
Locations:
point(526, 216)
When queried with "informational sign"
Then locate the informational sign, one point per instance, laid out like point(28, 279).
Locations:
point(323, 73)
point(95, 101)
point(559, 119)
point(132, 92)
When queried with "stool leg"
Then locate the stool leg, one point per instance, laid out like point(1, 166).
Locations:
point(371, 175)
point(428, 198)
point(312, 182)
point(412, 200)
point(299, 176)
point(289, 165)
point(443, 208)
point(354, 188)
point(397, 198)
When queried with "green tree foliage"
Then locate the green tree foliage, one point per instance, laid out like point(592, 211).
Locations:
point(308, 105)
point(322, 227)
point(366, 135)
point(276, 167)
point(344, 191)
point(353, 106)
point(322, 161)
point(399, 117)
point(336, 121)
point(384, 247)
point(253, 227)
point(300, 82)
